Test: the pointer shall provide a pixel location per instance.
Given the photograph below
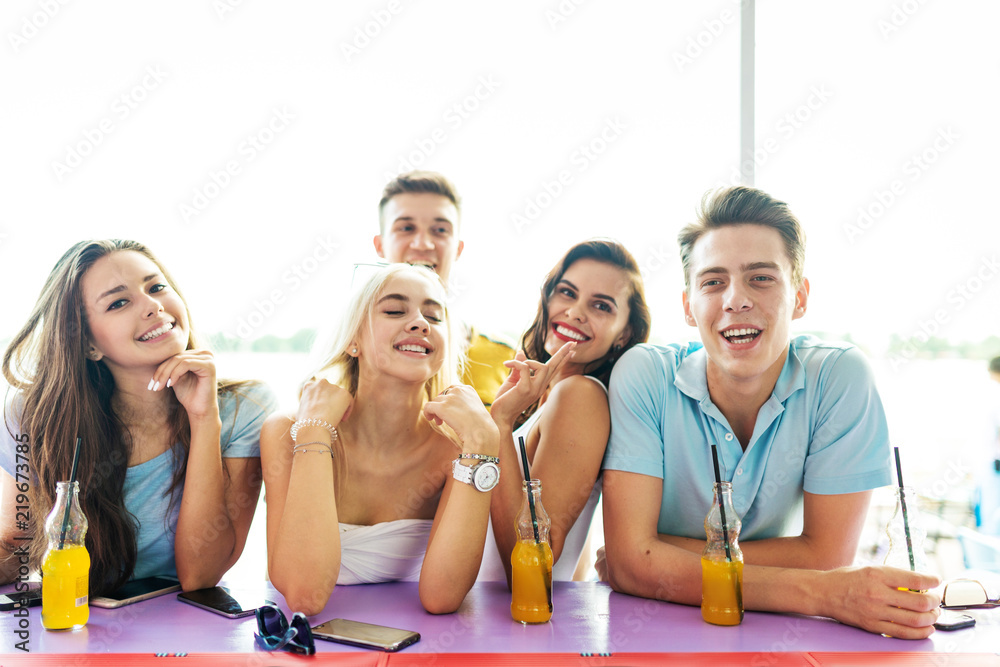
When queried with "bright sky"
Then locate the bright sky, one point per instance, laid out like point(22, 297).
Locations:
point(247, 143)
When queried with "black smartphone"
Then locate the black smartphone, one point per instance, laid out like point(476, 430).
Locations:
point(29, 598)
point(949, 620)
point(221, 600)
point(366, 635)
point(135, 591)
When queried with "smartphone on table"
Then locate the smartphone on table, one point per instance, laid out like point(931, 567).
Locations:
point(225, 601)
point(29, 598)
point(136, 591)
point(366, 635)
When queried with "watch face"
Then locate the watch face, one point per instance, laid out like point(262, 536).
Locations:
point(487, 476)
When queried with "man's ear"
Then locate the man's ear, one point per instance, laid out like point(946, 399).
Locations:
point(461, 247)
point(377, 242)
point(801, 299)
point(688, 317)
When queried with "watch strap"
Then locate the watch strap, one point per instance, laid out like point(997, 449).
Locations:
point(481, 457)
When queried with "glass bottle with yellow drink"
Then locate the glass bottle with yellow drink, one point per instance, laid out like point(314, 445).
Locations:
point(531, 560)
point(66, 564)
point(722, 562)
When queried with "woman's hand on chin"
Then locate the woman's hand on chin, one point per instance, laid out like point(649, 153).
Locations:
point(458, 412)
point(191, 375)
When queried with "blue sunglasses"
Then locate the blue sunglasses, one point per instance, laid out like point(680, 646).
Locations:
point(274, 632)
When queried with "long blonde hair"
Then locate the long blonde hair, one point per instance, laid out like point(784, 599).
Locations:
point(340, 367)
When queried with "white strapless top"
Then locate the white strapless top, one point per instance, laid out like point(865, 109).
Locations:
point(389, 551)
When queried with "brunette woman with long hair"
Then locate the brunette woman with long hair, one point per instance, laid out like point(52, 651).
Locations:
point(169, 466)
point(592, 309)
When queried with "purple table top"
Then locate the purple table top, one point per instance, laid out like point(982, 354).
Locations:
point(588, 617)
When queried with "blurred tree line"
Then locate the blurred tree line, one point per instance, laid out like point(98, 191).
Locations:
point(300, 341)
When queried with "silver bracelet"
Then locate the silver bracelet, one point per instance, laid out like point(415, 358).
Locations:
point(324, 450)
point(480, 457)
point(318, 443)
point(299, 423)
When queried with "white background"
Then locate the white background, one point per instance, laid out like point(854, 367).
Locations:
point(890, 76)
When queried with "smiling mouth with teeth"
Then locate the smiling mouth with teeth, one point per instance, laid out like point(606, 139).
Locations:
point(156, 333)
point(741, 336)
point(569, 333)
point(413, 348)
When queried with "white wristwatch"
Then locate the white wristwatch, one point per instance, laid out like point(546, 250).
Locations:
point(482, 476)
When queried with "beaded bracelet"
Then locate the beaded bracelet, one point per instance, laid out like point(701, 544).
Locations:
point(481, 457)
point(299, 423)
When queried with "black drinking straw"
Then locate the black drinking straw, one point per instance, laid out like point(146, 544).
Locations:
point(69, 500)
point(902, 504)
point(531, 496)
point(546, 574)
point(722, 507)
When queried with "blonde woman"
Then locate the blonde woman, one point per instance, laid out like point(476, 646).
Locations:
point(386, 469)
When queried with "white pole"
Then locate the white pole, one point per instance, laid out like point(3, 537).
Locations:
point(747, 166)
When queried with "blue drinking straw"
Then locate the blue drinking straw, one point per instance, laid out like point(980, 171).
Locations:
point(902, 504)
point(722, 507)
point(69, 500)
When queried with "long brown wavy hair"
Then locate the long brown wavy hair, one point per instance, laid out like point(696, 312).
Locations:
point(61, 395)
point(606, 251)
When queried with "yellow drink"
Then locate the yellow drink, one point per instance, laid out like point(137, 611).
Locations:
point(722, 592)
point(531, 574)
point(65, 582)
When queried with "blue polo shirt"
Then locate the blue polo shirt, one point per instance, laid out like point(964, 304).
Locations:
point(823, 430)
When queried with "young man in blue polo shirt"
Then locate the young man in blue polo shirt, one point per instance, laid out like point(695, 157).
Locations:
point(797, 423)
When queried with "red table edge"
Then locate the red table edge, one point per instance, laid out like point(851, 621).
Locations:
point(401, 659)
